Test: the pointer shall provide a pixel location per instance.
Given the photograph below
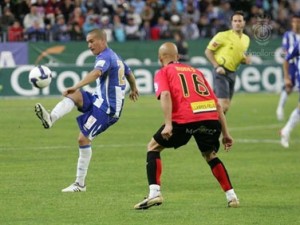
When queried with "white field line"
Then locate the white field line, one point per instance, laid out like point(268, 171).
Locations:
point(143, 145)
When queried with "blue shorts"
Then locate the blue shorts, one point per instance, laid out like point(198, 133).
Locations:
point(93, 121)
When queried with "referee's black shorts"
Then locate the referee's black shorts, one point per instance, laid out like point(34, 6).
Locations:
point(206, 134)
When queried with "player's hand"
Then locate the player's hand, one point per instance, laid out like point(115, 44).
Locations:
point(248, 60)
point(134, 95)
point(167, 132)
point(227, 142)
point(220, 70)
point(68, 91)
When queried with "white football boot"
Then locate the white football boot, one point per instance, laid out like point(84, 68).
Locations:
point(75, 187)
point(43, 115)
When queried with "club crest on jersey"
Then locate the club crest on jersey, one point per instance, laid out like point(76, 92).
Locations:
point(100, 63)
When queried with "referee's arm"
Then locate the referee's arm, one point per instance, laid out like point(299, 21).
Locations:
point(211, 57)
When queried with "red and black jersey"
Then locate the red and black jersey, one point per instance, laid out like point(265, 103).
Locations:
point(192, 97)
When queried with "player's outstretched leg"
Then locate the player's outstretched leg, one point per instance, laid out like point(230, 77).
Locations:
point(43, 115)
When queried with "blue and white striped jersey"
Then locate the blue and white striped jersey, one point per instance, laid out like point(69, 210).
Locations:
point(111, 84)
point(289, 40)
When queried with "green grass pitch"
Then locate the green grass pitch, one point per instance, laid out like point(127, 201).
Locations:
point(35, 164)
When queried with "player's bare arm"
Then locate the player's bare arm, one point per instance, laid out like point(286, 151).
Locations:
point(227, 139)
point(166, 105)
point(287, 77)
point(134, 93)
point(89, 78)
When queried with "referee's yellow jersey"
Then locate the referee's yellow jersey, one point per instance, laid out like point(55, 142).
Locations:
point(229, 48)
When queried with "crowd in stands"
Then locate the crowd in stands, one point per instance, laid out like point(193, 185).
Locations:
point(71, 20)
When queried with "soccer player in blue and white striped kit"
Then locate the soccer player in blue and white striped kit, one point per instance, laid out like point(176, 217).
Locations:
point(290, 39)
point(99, 110)
point(294, 118)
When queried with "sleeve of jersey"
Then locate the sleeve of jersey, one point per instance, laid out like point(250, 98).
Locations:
point(215, 43)
point(102, 64)
point(161, 83)
point(127, 69)
point(285, 44)
point(294, 53)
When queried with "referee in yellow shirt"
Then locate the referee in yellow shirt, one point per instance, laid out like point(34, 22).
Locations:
point(226, 51)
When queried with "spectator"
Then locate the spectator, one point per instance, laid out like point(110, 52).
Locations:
point(190, 29)
point(7, 19)
point(164, 28)
point(51, 8)
point(60, 30)
point(204, 26)
point(40, 7)
point(76, 32)
point(138, 6)
point(107, 26)
point(119, 29)
point(175, 24)
point(132, 30)
point(182, 47)
point(120, 11)
point(136, 17)
point(22, 9)
point(8, 4)
point(15, 32)
point(191, 13)
point(146, 31)
point(67, 8)
point(77, 17)
point(86, 5)
point(90, 23)
point(147, 13)
point(175, 7)
point(34, 25)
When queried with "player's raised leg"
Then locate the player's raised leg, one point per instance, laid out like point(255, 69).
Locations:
point(62, 108)
point(43, 115)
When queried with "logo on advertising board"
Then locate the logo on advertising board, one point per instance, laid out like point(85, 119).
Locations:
point(13, 54)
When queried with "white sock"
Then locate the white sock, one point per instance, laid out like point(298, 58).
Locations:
point(85, 155)
point(62, 108)
point(282, 99)
point(292, 122)
point(154, 190)
point(230, 194)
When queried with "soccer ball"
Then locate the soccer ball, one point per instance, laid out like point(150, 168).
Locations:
point(40, 76)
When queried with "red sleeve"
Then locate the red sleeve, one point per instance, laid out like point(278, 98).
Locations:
point(161, 82)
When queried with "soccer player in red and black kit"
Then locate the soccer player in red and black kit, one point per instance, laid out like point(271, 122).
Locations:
point(190, 108)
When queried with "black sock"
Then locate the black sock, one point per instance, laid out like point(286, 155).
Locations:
point(153, 167)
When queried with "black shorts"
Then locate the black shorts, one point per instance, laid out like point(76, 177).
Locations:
point(205, 133)
point(224, 84)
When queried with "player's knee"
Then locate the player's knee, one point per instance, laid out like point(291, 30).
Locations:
point(209, 155)
point(77, 98)
point(82, 140)
point(154, 146)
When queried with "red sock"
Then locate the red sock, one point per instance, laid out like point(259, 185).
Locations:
point(220, 173)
